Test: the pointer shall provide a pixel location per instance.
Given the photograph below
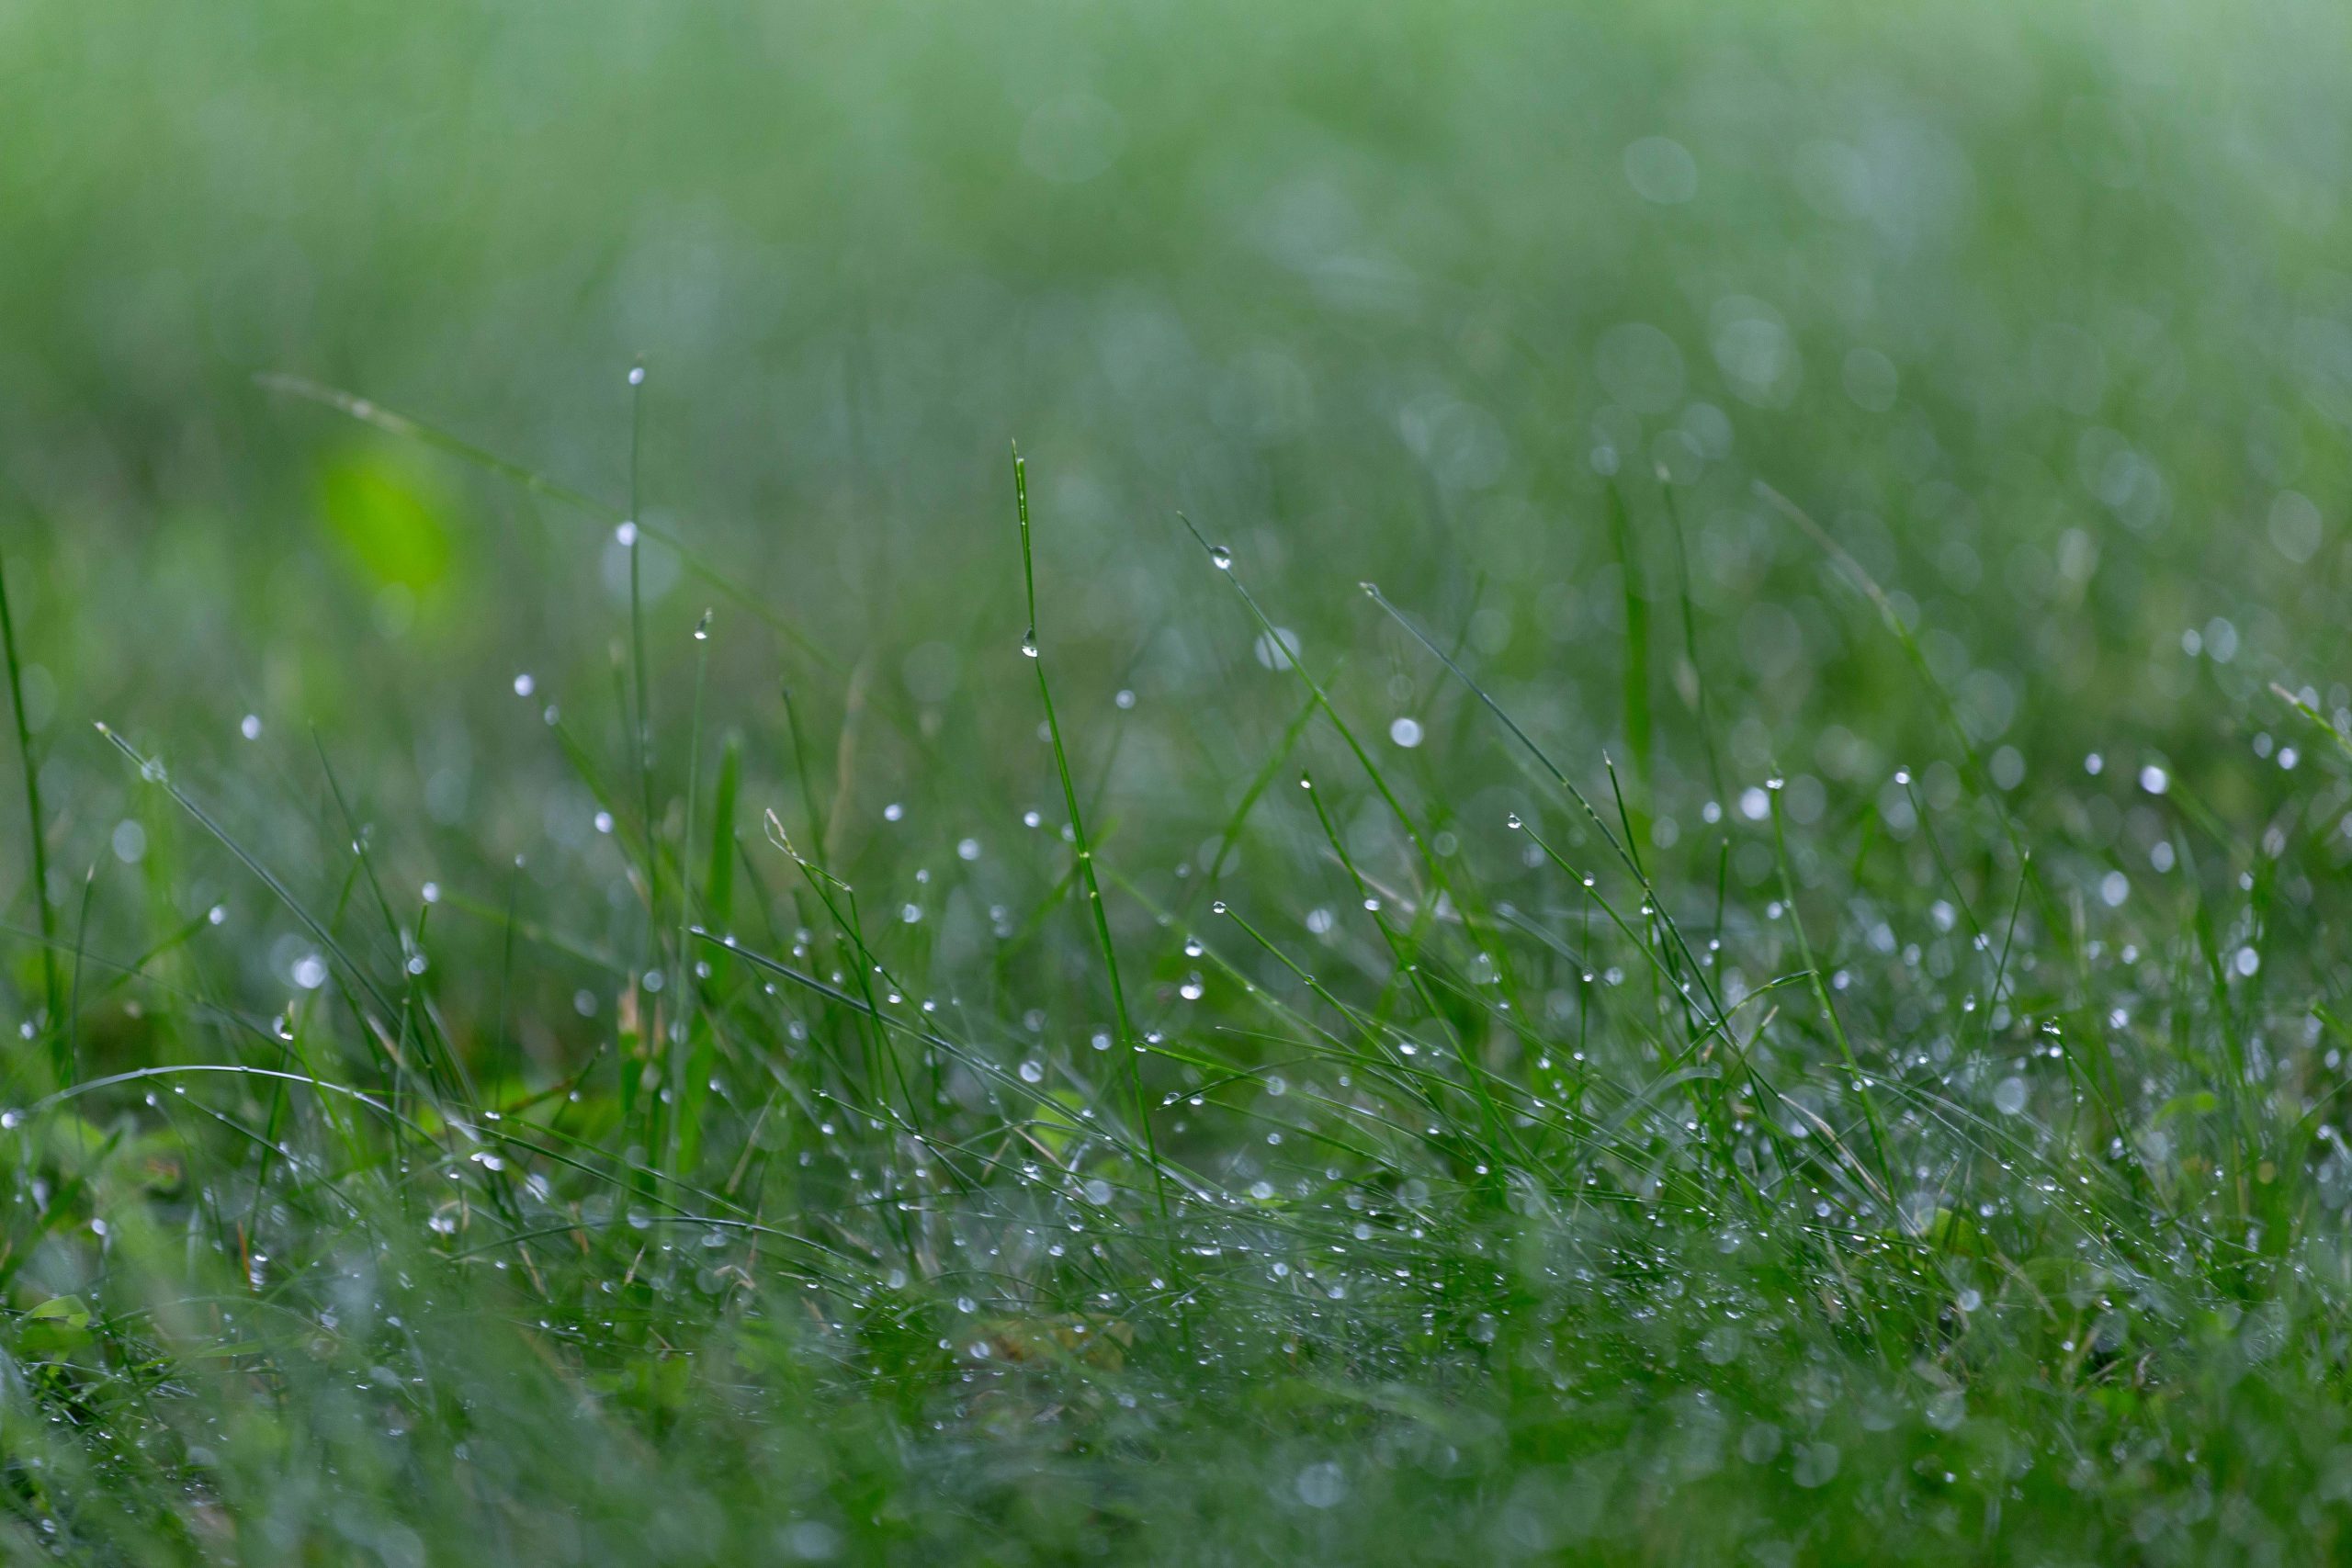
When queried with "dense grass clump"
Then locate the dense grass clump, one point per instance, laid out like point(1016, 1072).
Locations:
point(1626, 838)
point(1511, 1183)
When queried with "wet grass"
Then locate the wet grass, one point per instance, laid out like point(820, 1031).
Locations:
point(1407, 943)
point(1463, 1188)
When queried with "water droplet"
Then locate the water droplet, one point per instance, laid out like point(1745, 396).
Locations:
point(1513, 823)
point(1217, 908)
point(309, 971)
point(1406, 731)
point(1029, 643)
point(1221, 558)
point(1033, 1071)
point(525, 685)
point(603, 821)
point(251, 727)
point(627, 534)
point(702, 627)
point(1323, 1486)
point(637, 374)
point(968, 848)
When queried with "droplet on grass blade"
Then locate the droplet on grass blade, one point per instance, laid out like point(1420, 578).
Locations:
point(1323, 1484)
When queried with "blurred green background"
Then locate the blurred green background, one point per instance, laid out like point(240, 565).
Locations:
point(2041, 309)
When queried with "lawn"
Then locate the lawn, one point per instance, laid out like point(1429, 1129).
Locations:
point(1219, 784)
